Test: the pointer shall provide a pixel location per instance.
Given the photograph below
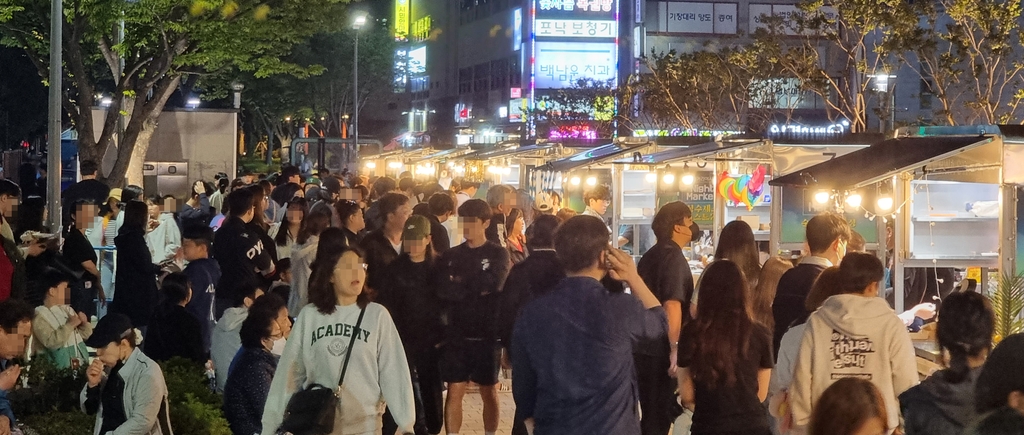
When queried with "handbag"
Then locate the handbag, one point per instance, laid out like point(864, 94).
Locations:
point(312, 410)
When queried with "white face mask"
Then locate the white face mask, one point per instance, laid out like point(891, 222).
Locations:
point(278, 347)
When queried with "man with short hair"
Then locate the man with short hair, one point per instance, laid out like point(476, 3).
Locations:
point(88, 188)
point(598, 200)
point(467, 191)
point(854, 334)
point(441, 207)
point(572, 348)
point(667, 273)
point(239, 252)
point(15, 329)
point(330, 193)
point(384, 245)
point(501, 199)
point(827, 236)
point(471, 276)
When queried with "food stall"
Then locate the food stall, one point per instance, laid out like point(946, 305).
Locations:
point(510, 165)
point(376, 165)
point(427, 165)
point(948, 193)
point(571, 176)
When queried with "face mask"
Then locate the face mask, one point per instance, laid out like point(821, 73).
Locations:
point(278, 348)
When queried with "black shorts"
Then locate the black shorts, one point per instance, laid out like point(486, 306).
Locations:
point(476, 361)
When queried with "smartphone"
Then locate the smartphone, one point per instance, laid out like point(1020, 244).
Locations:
point(608, 259)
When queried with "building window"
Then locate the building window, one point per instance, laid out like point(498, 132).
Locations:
point(499, 74)
point(419, 84)
point(926, 94)
point(481, 77)
point(515, 74)
point(465, 80)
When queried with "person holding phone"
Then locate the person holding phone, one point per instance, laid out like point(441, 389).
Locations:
point(572, 349)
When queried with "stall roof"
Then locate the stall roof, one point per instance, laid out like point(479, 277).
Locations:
point(592, 156)
point(881, 160)
point(503, 152)
point(701, 150)
point(439, 155)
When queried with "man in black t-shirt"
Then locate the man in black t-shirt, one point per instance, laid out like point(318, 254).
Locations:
point(471, 277)
point(88, 188)
point(667, 273)
point(501, 199)
point(239, 252)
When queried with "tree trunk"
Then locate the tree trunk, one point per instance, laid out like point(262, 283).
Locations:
point(139, 153)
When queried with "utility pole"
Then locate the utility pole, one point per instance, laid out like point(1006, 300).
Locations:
point(55, 111)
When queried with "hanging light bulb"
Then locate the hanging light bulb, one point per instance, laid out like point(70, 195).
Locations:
point(371, 165)
point(821, 197)
point(854, 200)
point(507, 170)
point(885, 203)
point(669, 178)
point(395, 165)
point(591, 181)
point(688, 179)
point(651, 177)
point(575, 181)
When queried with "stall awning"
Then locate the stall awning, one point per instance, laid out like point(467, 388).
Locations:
point(506, 152)
point(592, 156)
point(445, 154)
point(695, 151)
point(881, 160)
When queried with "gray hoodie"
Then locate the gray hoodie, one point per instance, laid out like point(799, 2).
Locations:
point(853, 336)
point(225, 342)
point(938, 407)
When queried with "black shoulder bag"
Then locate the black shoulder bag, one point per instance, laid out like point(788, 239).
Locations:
point(311, 411)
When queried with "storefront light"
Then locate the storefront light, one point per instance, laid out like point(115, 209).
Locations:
point(885, 203)
point(371, 165)
point(651, 177)
point(395, 165)
point(821, 197)
point(853, 200)
point(575, 181)
point(669, 178)
point(688, 179)
point(591, 181)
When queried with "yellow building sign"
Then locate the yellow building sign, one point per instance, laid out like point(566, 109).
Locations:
point(402, 12)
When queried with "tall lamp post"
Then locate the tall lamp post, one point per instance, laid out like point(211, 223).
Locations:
point(54, 116)
point(357, 23)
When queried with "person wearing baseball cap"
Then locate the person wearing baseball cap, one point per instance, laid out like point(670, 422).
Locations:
point(408, 290)
point(125, 389)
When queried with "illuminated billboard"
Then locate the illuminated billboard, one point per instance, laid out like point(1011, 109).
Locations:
point(402, 8)
point(576, 28)
point(561, 64)
point(418, 60)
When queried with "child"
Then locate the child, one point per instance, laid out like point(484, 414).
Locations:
point(282, 287)
point(203, 273)
point(174, 332)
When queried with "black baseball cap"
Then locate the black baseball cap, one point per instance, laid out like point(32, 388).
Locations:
point(110, 329)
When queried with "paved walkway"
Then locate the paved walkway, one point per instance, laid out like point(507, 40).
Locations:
point(473, 411)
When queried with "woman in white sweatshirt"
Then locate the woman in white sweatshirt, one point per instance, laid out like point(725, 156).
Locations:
point(303, 252)
point(378, 372)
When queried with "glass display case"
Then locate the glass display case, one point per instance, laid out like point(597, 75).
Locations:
point(636, 195)
point(953, 221)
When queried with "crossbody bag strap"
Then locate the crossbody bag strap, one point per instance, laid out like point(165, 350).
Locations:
point(352, 342)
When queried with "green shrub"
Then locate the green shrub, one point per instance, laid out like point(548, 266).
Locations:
point(195, 410)
point(59, 423)
point(51, 389)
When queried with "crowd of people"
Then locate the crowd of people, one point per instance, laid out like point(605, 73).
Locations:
point(404, 297)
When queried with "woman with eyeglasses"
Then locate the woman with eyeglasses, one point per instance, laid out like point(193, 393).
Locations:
point(340, 321)
point(263, 341)
point(285, 232)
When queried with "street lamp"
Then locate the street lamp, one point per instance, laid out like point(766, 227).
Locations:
point(238, 88)
point(357, 23)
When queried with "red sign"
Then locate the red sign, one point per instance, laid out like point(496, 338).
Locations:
point(516, 93)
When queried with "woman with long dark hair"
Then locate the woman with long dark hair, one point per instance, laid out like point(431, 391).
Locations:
point(81, 258)
point(363, 330)
point(303, 254)
point(261, 225)
point(736, 243)
point(725, 358)
point(135, 292)
point(516, 236)
point(944, 403)
point(286, 232)
point(411, 298)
